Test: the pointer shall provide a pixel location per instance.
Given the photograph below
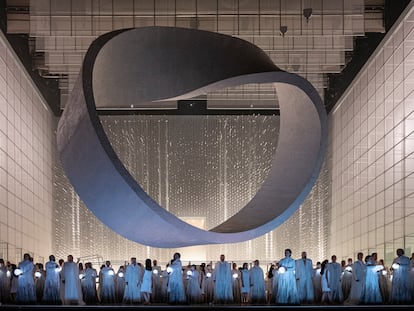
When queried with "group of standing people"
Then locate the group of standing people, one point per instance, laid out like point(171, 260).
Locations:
point(369, 281)
point(288, 281)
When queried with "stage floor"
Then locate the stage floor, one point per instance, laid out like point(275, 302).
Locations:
point(12, 307)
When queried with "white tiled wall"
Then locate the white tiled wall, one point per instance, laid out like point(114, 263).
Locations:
point(26, 162)
point(372, 151)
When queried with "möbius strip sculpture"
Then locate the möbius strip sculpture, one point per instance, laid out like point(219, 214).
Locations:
point(164, 63)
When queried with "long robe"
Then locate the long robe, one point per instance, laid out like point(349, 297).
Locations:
point(400, 286)
point(25, 287)
point(207, 286)
point(245, 281)
point(325, 281)
point(275, 284)
point(346, 281)
point(358, 281)
point(372, 293)
point(287, 293)
point(257, 290)
point(40, 277)
point(236, 284)
point(146, 285)
point(164, 286)
point(193, 290)
point(385, 285)
point(107, 285)
point(89, 286)
point(303, 274)
point(176, 291)
point(317, 286)
point(223, 291)
point(335, 271)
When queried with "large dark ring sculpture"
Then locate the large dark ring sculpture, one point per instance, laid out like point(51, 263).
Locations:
point(161, 63)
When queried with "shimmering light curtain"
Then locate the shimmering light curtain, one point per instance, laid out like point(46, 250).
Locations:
point(194, 166)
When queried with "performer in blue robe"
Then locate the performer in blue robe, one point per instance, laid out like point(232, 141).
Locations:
point(133, 276)
point(400, 286)
point(72, 285)
point(223, 291)
point(176, 292)
point(193, 290)
point(303, 274)
point(287, 293)
point(25, 287)
point(89, 284)
point(107, 283)
point(372, 292)
point(257, 290)
point(51, 290)
point(245, 283)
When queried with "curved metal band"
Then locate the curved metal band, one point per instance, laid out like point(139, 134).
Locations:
point(163, 63)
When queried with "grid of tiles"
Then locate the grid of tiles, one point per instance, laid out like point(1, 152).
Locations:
point(311, 47)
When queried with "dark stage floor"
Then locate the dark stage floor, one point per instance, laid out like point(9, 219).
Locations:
point(207, 307)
